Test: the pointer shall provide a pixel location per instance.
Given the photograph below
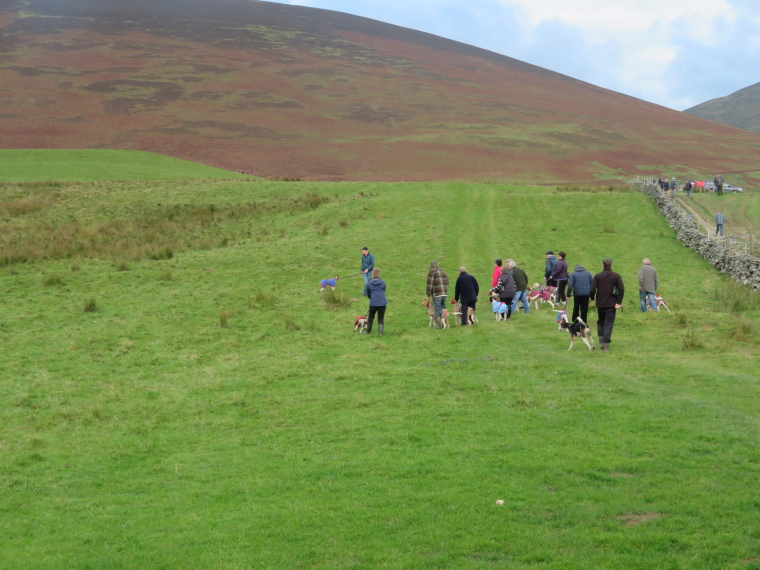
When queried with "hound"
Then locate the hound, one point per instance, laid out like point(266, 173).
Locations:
point(360, 324)
point(661, 303)
point(431, 313)
point(579, 329)
point(325, 283)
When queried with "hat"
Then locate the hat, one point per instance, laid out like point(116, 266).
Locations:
point(549, 253)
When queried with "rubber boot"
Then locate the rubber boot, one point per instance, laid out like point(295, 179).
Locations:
point(605, 347)
point(380, 328)
point(368, 329)
point(437, 323)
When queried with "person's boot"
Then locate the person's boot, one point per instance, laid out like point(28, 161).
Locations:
point(605, 347)
point(437, 323)
point(380, 329)
point(367, 330)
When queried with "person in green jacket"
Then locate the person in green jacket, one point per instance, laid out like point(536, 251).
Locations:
point(521, 286)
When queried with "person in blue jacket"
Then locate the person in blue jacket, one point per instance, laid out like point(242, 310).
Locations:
point(377, 302)
point(579, 288)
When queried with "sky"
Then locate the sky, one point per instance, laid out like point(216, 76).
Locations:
point(675, 53)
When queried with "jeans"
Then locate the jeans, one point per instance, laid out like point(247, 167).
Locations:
point(719, 230)
point(643, 296)
point(604, 323)
point(521, 296)
point(366, 281)
point(438, 304)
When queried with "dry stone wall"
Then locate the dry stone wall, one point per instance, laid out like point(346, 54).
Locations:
point(743, 268)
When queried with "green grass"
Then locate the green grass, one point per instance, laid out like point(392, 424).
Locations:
point(96, 165)
point(742, 210)
point(228, 417)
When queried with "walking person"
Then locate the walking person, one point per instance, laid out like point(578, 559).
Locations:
point(368, 264)
point(466, 292)
point(521, 287)
point(507, 293)
point(559, 276)
point(377, 302)
point(579, 288)
point(720, 220)
point(688, 187)
point(608, 290)
point(437, 290)
point(647, 285)
point(551, 262)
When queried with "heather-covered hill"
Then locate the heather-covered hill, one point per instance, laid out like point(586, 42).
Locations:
point(740, 109)
point(281, 90)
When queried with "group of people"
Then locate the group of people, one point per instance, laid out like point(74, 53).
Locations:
point(510, 282)
point(672, 185)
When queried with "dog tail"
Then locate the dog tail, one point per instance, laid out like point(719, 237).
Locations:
point(580, 320)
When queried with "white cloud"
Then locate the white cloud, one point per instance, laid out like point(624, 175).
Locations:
point(601, 19)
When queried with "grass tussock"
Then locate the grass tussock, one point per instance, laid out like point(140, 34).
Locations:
point(736, 297)
point(91, 306)
point(743, 330)
point(224, 317)
point(290, 323)
point(334, 300)
point(262, 299)
point(52, 280)
point(691, 340)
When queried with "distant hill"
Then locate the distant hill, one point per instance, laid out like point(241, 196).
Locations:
point(740, 109)
point(278, 90)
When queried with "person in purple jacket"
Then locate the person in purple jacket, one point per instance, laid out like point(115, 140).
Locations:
point(559, 275)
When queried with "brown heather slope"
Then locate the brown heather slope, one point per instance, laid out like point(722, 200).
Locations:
point(279, 90)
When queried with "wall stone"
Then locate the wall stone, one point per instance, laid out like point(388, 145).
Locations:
point(744, 268)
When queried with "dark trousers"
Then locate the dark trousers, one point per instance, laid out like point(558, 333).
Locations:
point(604, 323)
point(508, 301)
point(465, 306)
point(580, 308)
point(371, 317)
point(561, 286)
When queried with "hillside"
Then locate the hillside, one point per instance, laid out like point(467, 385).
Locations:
point(280, 90)
point(740, 109)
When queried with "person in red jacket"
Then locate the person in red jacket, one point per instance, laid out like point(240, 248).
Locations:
point(496, 273)
point(607, 290)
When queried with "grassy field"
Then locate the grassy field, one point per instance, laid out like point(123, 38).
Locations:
point(95, 165)
point(185, 397)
